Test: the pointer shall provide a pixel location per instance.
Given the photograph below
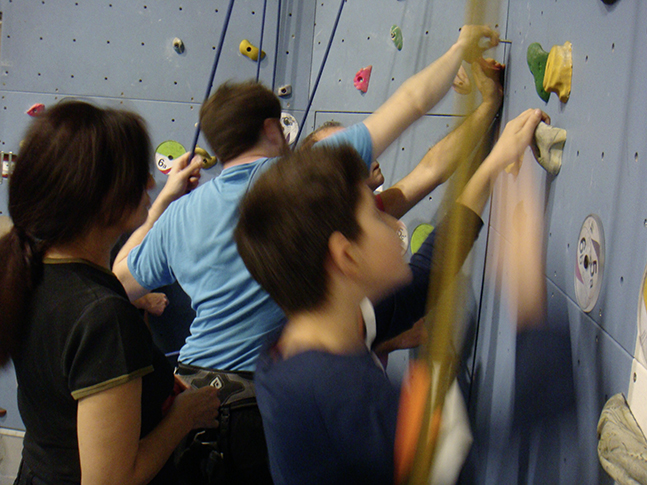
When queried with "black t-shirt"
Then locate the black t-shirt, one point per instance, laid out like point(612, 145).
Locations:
point(83, 336)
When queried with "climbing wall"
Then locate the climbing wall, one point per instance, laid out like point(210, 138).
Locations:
point(534, 396)
point(538, 394)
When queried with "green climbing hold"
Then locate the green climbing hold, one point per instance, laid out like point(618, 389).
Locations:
point(396, 36)
point(419, 236)
point(537, 58)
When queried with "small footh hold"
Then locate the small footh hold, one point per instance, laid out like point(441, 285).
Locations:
point(362, 78)
point(249, 50)
point(285, 90)
point(36, 109)
point(396, 37)
point(178, 45)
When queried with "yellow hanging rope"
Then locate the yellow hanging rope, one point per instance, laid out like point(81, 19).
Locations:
point(436, 368)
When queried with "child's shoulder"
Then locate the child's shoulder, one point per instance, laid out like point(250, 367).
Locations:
point(315, 368)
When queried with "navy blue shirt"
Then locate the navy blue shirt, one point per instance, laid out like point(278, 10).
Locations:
point(331, 419)
point(328, 419)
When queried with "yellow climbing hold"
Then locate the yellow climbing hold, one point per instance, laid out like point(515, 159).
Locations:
point(207, 160)
point(247, 49)
point(559, 71)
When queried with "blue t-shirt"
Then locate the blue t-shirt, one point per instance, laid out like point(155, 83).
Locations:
point(193, 243)
point(328, 419)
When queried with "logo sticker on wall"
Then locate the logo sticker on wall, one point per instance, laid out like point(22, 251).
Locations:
point(589, 266)
point(290, 127)
point(166, 153)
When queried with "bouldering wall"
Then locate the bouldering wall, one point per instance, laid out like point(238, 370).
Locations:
point(534, 396)
point(538, 394)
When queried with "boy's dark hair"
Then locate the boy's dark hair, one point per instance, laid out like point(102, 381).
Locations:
point(232, 118)
point(288, 216)
point(309, 141)
point(79, 166)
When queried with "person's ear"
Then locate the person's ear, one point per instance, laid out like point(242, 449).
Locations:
point(343, 255)
point(273, 131)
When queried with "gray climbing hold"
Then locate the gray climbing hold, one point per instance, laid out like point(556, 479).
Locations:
point(284, 90)
point(548, 145)
point(622, 448)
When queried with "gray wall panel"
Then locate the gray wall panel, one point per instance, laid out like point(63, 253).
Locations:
point(362, 39)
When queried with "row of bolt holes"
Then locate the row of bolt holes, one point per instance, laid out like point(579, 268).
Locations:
point(105, 78)
point(367, 38)
point(602, 156)
point(76, 4)
point(145, 7)
point(143, 44)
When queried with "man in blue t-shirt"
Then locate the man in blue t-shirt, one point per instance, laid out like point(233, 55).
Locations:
point(191, 240)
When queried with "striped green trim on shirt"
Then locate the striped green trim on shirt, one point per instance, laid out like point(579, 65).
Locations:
point(109, 384)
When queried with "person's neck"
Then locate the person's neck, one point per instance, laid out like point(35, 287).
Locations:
point(333, 328)
point(251, 155)
point(95, 247)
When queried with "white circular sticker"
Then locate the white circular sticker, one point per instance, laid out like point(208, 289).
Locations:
point(589, 265)
point(166, 153)
point(290, 127)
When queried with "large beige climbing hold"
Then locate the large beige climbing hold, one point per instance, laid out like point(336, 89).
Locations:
point(559, 71)
point(622, 447)
point(548, 145)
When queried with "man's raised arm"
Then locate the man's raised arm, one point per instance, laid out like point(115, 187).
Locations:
point(440, 162)
point(422, 91)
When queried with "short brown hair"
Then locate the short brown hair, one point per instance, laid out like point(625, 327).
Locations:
point(232, 118)
point(288, 216)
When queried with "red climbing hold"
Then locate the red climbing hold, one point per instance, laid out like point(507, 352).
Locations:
point(36, 109)
point(362, 78)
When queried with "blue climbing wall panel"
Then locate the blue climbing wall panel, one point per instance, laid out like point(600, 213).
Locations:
point(535, 396)
point(538, 394)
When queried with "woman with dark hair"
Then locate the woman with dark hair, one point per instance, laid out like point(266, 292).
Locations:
point(92, 387)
